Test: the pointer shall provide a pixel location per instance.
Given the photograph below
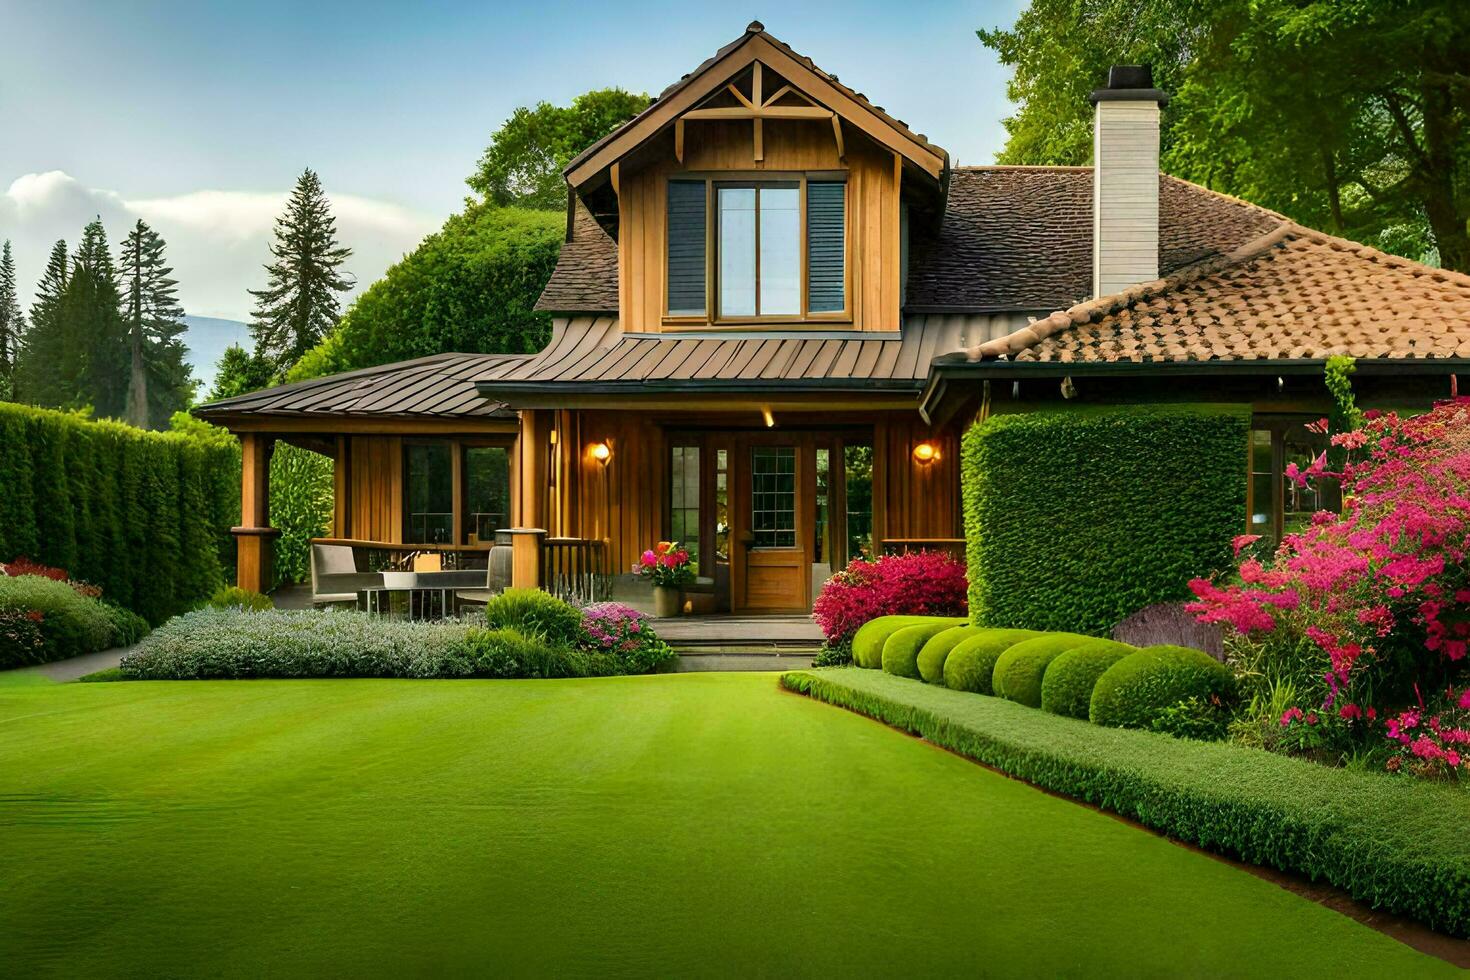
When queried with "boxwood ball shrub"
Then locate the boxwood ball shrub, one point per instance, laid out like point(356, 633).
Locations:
point(971, 664)
point(1066, 689)
point(1076, 518)
point(901, 651)
point(935, 652)
point(867, 642)
point(1020, 669)
point(537, 613)
point(1136, 690)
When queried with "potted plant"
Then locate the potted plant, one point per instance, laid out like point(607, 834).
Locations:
point(667, 566)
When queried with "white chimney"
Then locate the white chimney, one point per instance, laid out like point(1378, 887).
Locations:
point(1125, 180)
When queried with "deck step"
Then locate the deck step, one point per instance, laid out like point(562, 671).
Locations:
point(765, 659)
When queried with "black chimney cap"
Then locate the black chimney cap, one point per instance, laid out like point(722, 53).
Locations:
point(1130, 83)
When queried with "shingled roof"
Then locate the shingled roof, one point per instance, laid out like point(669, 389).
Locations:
point(1291, 293)
point(1012, 238)
point(440, 386)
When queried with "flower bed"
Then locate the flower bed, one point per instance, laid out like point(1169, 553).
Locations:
point(46, 617)
point(1396, 844)
point(915, 584)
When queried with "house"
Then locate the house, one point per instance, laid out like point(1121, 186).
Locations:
point(778, 307)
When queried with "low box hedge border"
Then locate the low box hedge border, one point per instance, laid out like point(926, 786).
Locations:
point(1392, 842)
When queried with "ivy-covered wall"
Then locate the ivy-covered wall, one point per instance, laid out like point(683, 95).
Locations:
point(1076, 518)
point(144, 515)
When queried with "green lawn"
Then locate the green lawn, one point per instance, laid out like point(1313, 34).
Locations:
point(673, 825)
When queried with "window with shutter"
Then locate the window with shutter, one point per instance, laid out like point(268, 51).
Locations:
point(826, 283)
point(687, 202)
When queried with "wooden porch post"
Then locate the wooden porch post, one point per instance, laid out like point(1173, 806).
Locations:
point(254, 537)
point(525, 557)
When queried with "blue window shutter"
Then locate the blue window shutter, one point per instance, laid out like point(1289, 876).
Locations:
point(686, 248)
point(826, 246)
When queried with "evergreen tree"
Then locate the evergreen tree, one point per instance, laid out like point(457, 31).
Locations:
point(12, 322)
point(240, 372)
point(158, 377)
point(299, 305)
point(38, 364)
point(95, 365)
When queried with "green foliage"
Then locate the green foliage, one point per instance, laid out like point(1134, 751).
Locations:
point(143, 515)
point(523, 164)
point(1066, 689)
point(70, 624)
point(1076, 518)
point(1345, 415)
point(1137, 690)
point(535, 613)
point(1380, 153)
point(301, 507)
point(12, 321)
point(970, 666)
point(901, 650)
point(471, 286)
point(234, 597)
point(1194, 717)
point(867, 642)
point(935, 652)
point(159, 381)
point(837, 654)
point(1397, 844)
point(510, 653)
point(1020, 669)
point(240, 372)
point(298, 306)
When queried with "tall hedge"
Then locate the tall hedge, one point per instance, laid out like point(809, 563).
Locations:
point(1076, 518)
point(144, 515)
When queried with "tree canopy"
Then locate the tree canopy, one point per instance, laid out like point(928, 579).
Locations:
point(523, 164)
point(1347, 115)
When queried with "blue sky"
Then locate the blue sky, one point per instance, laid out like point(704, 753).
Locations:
point(198, 116)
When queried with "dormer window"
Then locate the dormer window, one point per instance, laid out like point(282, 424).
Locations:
point(775, 251)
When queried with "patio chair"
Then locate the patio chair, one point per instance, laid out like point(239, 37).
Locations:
point(334, 575)
point(497, 579)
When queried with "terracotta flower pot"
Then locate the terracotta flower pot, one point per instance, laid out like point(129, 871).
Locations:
point(668, 601)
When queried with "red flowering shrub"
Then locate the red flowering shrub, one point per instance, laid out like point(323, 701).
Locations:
point(921, 583)
point(666, 563)
point(1374, 603)
point(24, 566)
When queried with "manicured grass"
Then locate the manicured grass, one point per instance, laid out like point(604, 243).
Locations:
point(668, 825)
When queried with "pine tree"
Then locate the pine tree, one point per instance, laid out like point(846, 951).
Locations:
point(38, 364)
point(240, 372)
point(158, 377)
point(299, 305)
point(12, 322)
point(95, 368)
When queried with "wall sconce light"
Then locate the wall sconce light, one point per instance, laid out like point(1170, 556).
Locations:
point(769, 419)
point(926, 453)
point(601, 452)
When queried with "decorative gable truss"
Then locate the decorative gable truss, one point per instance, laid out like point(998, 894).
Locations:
point(744, 98)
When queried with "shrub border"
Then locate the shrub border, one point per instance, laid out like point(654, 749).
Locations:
point(1394, 844)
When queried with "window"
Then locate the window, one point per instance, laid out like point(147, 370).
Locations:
point(1278, 504)
point(823, 544)
point(773, 496)
point(487, 491)
point(779, 249)
point(857, 474)
point(722, 505)
point(428, 486)
point(684, 499)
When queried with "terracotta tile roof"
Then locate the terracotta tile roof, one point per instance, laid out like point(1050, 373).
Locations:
point(439, 386)
point(1020, 238)
point(1292, 293)
point(1012, 238)
point(585, 279)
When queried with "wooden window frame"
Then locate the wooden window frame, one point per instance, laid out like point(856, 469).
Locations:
point(459, 481)
point(712, 318)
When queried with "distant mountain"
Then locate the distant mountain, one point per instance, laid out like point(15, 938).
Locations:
point(207, 338)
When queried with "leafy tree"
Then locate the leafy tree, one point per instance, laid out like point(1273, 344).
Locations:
point(471, 286)
point(1352, 116)
point(299, 305)
point(240, 372)
point(12, 321)
point(158, 378)
point(523, 164)
point(38, 361)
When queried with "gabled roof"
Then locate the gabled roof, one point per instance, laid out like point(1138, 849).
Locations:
point(1289, 294)
point(585, 279)
point(440, 386)
point(711, 75)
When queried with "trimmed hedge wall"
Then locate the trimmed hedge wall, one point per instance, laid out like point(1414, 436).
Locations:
point(1398, 844)
point(144, 515)
point(1077, 518)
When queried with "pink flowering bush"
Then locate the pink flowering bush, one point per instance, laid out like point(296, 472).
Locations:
point(666, 564)
point(624, 632)
point(919, 583)
point(1370, 606)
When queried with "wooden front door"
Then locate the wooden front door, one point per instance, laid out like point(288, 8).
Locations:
point(773, 515)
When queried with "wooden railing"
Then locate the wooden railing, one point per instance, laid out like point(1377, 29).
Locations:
point(575, 569)
point(954, 547)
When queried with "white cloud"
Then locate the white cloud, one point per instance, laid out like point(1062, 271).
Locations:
point(216, 238)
